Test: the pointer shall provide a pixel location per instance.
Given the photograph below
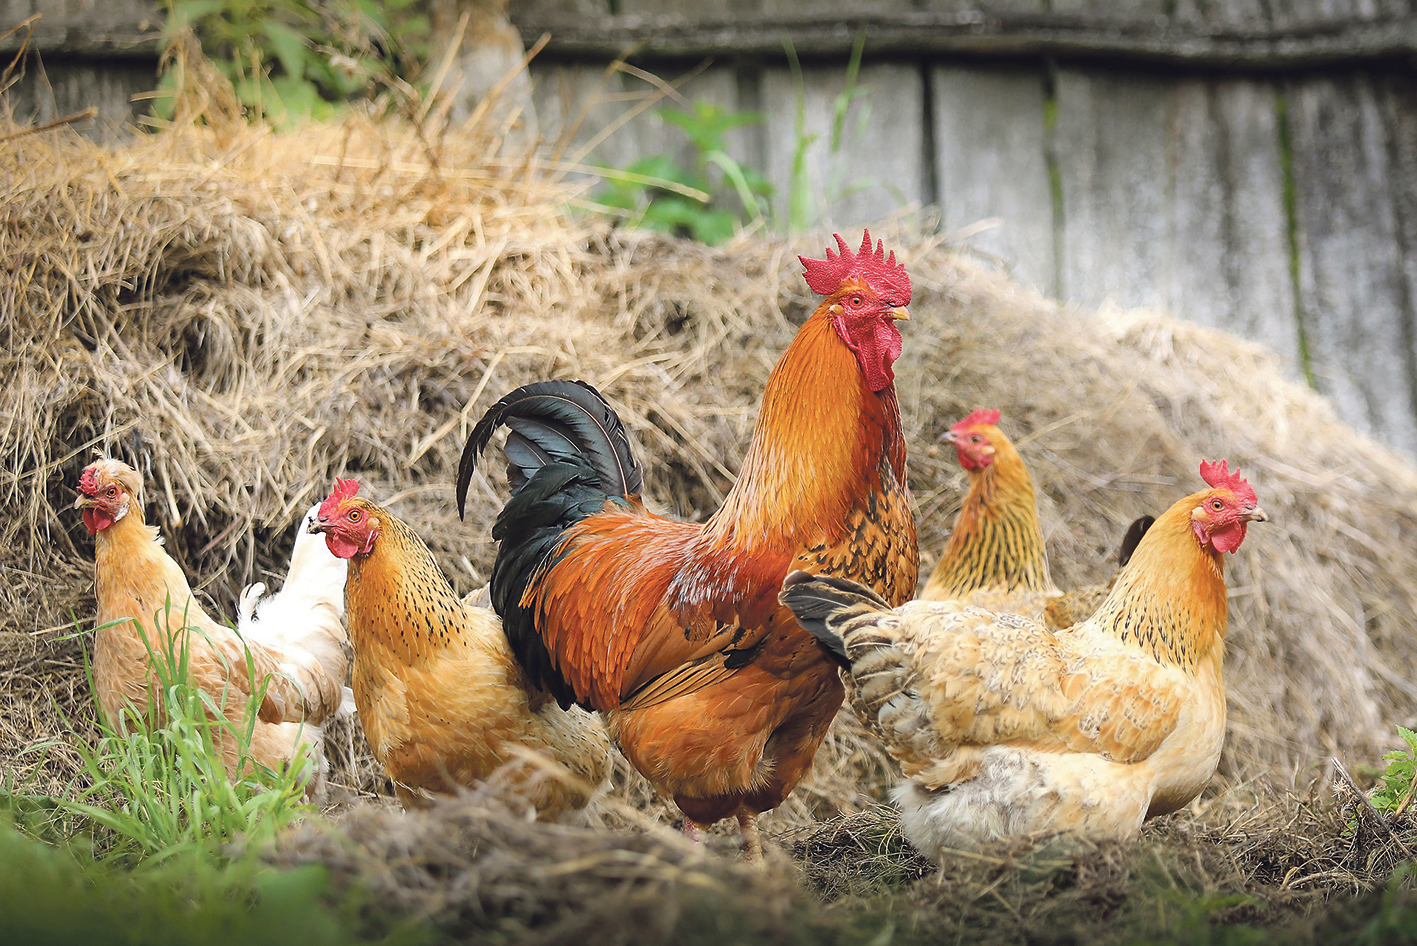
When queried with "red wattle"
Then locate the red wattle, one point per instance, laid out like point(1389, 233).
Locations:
point(877, 344)
point(339, 546)
point(96, 519)
point(1228, 538)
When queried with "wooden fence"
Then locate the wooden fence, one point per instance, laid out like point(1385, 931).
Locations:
point(1249, 164)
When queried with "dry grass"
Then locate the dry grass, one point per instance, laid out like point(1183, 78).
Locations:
point(243, 315)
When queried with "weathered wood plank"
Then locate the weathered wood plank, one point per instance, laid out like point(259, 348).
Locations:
point(1218, 42)
point(110, 28)
point(878, 162)
point(1355, 288)
point(1227, 251)
point(64, 88)
point(1173, 196)
point(990, 148)
point(577, 105)
point(1110, 146)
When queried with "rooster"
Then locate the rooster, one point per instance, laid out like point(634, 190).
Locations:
point(1004, 728)
point(144, 602)
point(441, 698)
point(996, 558)
point(673, 630)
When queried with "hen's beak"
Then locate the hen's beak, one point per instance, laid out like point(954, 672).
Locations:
point(84, 501)
point(316, 527)
point(900, 313)
point(948, 436)
point(1256, 515)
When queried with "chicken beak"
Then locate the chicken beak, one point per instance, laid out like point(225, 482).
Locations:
point(900, 313)
point(83, 501)
point(1256, 515)
point(316, 527)
point(948, 436)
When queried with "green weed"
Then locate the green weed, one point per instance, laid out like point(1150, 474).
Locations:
point(153, 786)
point(293, 60)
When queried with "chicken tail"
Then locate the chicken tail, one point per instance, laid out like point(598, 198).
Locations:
point(553, 421)
point(1135, 532)
point(567, 456)
point(825, 606)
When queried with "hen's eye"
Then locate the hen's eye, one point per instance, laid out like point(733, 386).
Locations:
point(1217, 505)
point(112, 491)
point(975, 439)
point(855, 300)
point(354, 515)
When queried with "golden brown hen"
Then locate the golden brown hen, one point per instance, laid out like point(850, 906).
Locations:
point(996, 557)
point(144, 602)
point(441, 697)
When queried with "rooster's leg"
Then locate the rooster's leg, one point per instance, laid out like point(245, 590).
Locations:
point(693, 832)
point(752, 841)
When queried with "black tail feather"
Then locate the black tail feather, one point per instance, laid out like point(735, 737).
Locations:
point(550, 421)
point(567, 456)
point(817, 599)
point(1135, 532)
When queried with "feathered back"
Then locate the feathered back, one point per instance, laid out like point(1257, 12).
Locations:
point(550, 421)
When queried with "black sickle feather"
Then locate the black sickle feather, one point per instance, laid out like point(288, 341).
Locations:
point(555, 420)
point(568, 456)
point(1135, 532)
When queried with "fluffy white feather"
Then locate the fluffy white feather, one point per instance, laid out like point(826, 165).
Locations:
point(305, 619)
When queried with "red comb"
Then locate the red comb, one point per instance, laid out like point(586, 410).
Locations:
point(88, 482)
point(1218, 475)
point(344, 489)
point(981, 416)
point(880, 272)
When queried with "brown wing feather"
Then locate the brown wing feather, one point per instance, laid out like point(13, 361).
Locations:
point(942, 678)
point(622, 607)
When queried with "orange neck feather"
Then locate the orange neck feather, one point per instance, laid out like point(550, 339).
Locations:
point(1171, 596)
point(397, 597)
point(821, 434)
point(997, 544)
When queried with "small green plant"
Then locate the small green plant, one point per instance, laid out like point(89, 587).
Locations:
point(154, 786)
point(290, 60)
point(659, 193)
point(1394, 791)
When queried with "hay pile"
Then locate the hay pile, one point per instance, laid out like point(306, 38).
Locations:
point(243, 315)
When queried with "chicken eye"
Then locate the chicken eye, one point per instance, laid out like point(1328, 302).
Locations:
point(354, 515)
point(975, 439)
point(855, 300)
point(112, 491)
point(1217, 505)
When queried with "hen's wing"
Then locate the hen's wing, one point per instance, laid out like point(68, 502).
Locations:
point(944, 680)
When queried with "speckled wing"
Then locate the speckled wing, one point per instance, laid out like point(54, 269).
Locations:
point(944, 681)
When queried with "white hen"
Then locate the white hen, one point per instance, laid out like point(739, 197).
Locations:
point(305, 622)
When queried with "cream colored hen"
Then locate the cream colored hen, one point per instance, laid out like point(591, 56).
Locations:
point(144, 601)
point(1004, 728)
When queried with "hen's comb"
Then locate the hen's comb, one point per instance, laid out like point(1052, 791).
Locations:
point(344, 489)
point(882, 273)
point(88, 482)
point(981, 416)
point(1218, 475)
